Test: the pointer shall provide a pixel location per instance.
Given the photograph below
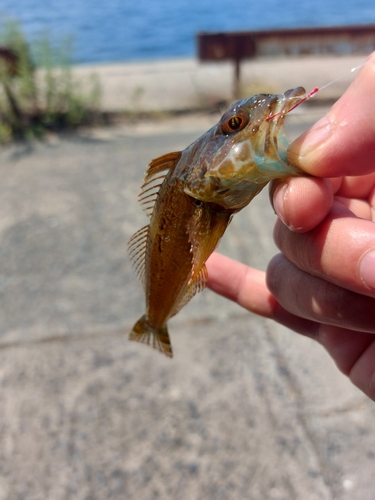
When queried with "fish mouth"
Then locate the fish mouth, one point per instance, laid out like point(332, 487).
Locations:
point(270, 144)
point(279, 106)
point(290, 100)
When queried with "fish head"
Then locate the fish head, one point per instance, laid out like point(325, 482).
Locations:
point(247, 148)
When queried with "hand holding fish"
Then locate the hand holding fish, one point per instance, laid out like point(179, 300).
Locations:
point(323, 283)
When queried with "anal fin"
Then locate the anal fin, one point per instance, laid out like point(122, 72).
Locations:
point(195, 286)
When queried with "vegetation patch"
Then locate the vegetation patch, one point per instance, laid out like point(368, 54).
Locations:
point(38, 91)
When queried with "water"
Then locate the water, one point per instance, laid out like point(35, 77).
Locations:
point(121, 30)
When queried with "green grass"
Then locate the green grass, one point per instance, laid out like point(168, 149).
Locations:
point(43, 94)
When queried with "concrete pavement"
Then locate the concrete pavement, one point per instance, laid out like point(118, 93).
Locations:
point(186, 84)
point(245, 410)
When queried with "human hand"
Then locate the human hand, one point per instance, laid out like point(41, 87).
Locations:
point(323, 283)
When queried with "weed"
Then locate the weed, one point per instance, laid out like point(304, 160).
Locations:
point(38, 91)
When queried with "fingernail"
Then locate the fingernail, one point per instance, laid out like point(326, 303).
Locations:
point(311, 139)
point(278, 202)
point(367, 269)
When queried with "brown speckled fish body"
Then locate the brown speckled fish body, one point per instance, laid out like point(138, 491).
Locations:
point(191, 197)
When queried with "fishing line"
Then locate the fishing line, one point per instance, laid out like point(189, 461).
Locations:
point(356, 68)
point(314, 91)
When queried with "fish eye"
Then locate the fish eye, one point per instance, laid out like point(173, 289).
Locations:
point(235, 121)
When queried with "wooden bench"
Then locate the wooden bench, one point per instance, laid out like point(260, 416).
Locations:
point(237, 46)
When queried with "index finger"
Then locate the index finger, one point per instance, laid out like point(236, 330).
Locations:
point(247, 286)
point(342, 143)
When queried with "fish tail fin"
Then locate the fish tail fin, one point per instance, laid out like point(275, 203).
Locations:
point(158, 338)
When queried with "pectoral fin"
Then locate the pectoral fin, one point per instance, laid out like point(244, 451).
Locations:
point(205, 229)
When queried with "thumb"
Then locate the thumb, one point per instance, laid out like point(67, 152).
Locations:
point(342, 143)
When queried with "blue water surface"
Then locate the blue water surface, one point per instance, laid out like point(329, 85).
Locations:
point(123, 30)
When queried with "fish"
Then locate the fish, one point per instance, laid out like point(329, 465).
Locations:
point(190, 197)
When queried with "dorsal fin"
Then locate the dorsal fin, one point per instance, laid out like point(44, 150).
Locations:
point(161, 163)
point(153, 180)
point(137, 251)
point(205, 228)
